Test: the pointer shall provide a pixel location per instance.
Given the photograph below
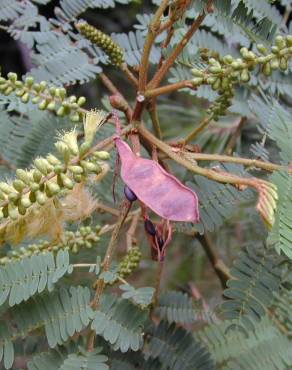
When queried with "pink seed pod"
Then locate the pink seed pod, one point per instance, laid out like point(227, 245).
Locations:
point(163, 193)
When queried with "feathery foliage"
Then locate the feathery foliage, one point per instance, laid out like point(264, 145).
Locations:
point(86, 295)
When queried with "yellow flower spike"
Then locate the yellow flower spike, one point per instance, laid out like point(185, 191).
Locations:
point(70, 139)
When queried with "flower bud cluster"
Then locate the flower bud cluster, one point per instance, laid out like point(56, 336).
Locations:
point(49, 176)
point(222, 74)
point(112, 50)
point(130, 262)
point(84, 237)
point(47, 98)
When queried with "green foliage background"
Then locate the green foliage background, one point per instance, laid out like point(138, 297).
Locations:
point(45, 311)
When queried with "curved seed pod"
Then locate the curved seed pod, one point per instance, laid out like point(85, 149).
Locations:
point(163, 193)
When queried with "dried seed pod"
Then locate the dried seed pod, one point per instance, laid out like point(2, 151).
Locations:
point(163, 193)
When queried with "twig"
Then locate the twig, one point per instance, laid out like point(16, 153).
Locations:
point(231, 143)
point(109, 84)
point(153, 30)
point(152, 110)
point(198, 129)
point(247, 162)
point(131, 231)
point(218, 265)
point(157, 283)
point(178, 49)
point(224, 178)
point(168, 88)
point(124, 210)
point(129, 75)
point(4, 162)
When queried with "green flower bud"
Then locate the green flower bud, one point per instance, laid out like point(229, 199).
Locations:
point(40, 198)
point(274, 63)
point(289, 40)
point(196, 72)
point(13, 197)
point(23, 176)
point(77, 178)
point(52, 189)
point(81, 101)
point(37, 175)
point(8, 91)
point(20, 93)
point(61, 112)
point(25, 202)
point(13, 212)
point(262, 49)
point(103, 155)
point(75, 117)
point(68, 183)
point(25, 98)
point(18, 185)
point(43, 104)
point(77, 170)
point(32, 197)
point(215, 86)
point(267, 70)
point(35, 99)
point(52, 105)
point(280, 42)
point(53, 160)
point(215, 69)
point(43, 166)
point(7, 189)
point(283, 64)
point(244, 75)
point(21, 209)
point(29, 81)
point(83, 149)
point(228, 59)
point(12, 77)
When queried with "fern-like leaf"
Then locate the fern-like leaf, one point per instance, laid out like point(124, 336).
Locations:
point(62, 314)
point(176, 307)
point(120, 323)
point(255, 276)
point(177, 349)
point(265, 347)
point(280, 236)
point(22, 279)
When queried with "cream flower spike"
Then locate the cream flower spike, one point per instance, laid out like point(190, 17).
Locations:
point(92, 121)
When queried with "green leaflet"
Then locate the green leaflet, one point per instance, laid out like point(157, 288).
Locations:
point(177, 349)
point(120, 323)
point(176, 307)
point(280, 236)
point(22, 279)
point(264, 347)
point(61, 313)
point(74, 361)
point(255, 276)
